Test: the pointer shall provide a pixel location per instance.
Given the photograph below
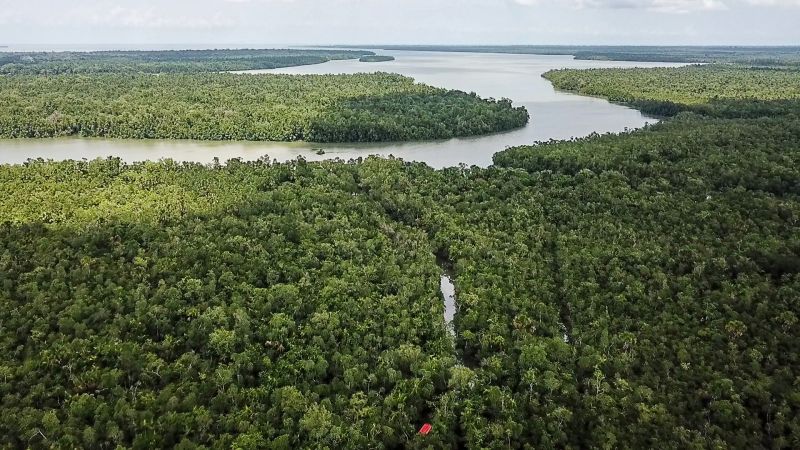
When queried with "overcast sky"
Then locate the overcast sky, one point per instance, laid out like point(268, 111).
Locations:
point(231, 22)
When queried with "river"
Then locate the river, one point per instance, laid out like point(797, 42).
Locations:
point(554, 115)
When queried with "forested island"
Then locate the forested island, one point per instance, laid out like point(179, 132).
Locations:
point(165, 61)
point(636, 290)
point(376, 58)
point(262, 107)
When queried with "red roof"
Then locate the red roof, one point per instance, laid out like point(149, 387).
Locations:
point(425, 429)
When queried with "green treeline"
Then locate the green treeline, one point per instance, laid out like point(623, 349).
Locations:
point(164, 61)
point(376, 58)
point(717, 90)
point(320, 108)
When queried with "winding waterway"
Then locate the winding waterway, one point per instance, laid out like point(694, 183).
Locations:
point(554, 115)
point(449, 296)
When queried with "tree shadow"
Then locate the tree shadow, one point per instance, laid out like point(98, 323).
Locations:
point(438, 114)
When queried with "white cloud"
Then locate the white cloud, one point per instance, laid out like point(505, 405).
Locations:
point(119, 14)
point(774, 2)
point(295, 22)
point(671, 6)
point(150, 17)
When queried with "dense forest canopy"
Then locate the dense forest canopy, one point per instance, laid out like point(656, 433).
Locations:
point(241, 307)
point(687, 85)
point(767, 56)
point(619, 291)
point(320, 108)
point(720, 90)
point(637, 290)
point(164, 61)
point(675, 262)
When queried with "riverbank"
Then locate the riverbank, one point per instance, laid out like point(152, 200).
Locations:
point(556, 115)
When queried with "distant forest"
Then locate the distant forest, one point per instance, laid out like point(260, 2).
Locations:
point(183, 95)
point(713, 90)
point(376, 58)
point(164, 61)
point(779, 56)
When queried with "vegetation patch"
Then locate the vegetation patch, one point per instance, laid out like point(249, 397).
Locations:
point(644, 278)
point(166, 61)
point(721, 90)
point(376, 58)
point(320, 108)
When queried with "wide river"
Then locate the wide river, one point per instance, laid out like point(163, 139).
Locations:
point(554, 115)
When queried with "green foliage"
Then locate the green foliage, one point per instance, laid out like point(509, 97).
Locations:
point(674, 254)
point(170, 61)
point(321, 108)
point(722, 90)
point(376, 58)
point(625, 291)
point(621, 291)
point(700, 154)
point(160, 304)
point(618, 291)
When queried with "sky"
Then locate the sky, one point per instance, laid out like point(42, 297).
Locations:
point(223, 23)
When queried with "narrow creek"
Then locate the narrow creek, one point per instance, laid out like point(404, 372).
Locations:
point(449, 295)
